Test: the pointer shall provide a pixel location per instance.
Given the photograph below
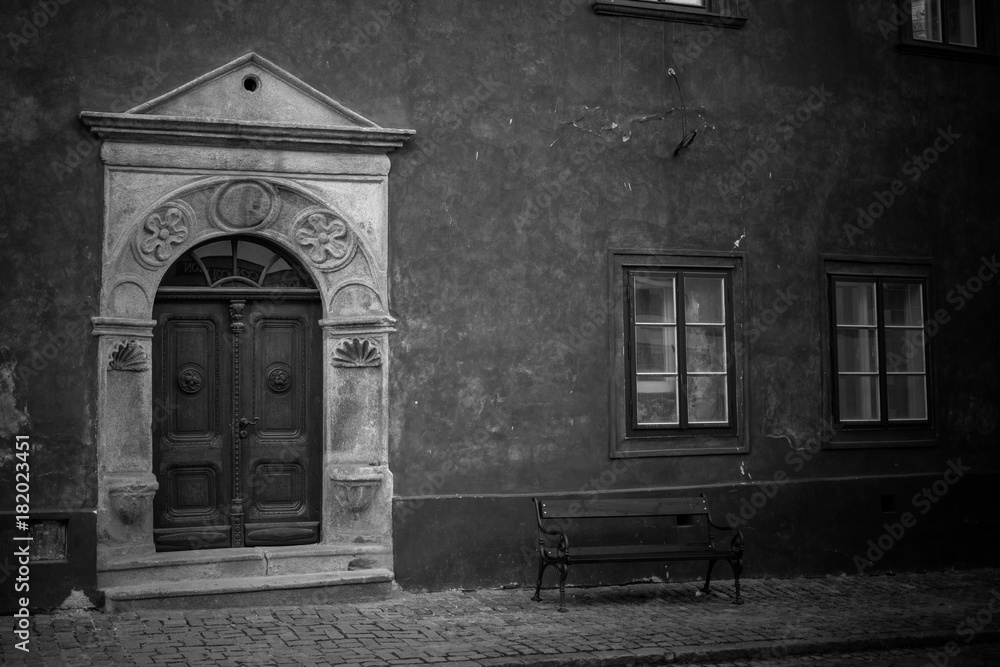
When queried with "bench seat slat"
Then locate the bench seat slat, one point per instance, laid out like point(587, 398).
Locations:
point(626, 554)
point(562, 509)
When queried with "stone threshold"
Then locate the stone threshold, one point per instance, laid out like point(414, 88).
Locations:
point(241, 591)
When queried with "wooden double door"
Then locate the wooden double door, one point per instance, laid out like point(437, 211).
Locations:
point(237, 410)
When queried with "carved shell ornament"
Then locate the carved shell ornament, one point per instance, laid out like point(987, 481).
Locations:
point(128, 356)
point(356, 353)
point(327, 239)
point(162, 230)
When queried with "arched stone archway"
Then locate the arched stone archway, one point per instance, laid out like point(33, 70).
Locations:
point(210, 160)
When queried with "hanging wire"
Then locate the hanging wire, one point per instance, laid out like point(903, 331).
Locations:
point(688, 138)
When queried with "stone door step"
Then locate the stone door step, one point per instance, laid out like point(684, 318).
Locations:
point(248, 562)
point(275, 590)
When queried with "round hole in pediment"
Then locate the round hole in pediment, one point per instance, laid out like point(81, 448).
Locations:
point(251, 83)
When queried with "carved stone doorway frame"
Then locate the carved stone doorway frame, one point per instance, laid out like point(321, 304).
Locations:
point(292, 166)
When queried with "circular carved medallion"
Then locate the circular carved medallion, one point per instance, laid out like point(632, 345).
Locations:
point(245, 204)
point(279, 380)
point(189, 380)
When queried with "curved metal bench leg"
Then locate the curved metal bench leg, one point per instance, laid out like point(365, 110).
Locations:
point(562, 586)
point(538, 584)
point(707, 588)
point(737, 569)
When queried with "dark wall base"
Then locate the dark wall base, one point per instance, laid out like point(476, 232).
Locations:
point(64, 560)
point(811, 527)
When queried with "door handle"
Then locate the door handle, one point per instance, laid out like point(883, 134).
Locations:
point(244, 423)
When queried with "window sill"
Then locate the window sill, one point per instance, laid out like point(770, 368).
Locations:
point(877, 438)
point(644, 9)
point(681, 445)
point(949, 52)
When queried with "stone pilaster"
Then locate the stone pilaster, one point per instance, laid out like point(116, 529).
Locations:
point(126, 484)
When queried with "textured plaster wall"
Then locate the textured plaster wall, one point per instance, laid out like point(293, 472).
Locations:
point(544, 138)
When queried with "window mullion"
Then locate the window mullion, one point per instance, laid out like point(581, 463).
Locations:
point(883, 382)
point(630, 333)
point(681, 321)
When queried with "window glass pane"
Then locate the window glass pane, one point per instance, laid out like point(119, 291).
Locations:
point(708, 399)
point(904, 350)
point(185, 272)
point(962, 22)
point(218, 259)
point(858, 397)
point(251, 260)
point(855, 303)
point(704, 300)
point(926, 19)
point(655, 349)
point(903, 304)
point(281, 274)
point(907, 397)
point(706, 349)
point(654, 298)
point(857, 351)
point(656, 400)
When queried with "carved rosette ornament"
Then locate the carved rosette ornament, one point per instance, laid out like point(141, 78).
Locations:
point(189, 380)
point(279, 380)
point(326, 238)
point(356, 353)
point(128, 355)
point(165, 228)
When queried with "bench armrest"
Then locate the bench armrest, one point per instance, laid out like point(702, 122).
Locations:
point(737, 543)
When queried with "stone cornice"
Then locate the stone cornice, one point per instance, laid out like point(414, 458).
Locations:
point(123, 326)
point(140, 128)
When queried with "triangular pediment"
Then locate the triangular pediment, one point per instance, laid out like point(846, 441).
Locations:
point(248, 102)
point(254, 89)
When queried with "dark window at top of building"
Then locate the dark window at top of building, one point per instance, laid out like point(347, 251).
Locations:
point(961, 29)
point(725, 13)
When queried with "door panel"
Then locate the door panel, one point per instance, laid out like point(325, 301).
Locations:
point(262, 360)
point(192, 437)
point(282, 451)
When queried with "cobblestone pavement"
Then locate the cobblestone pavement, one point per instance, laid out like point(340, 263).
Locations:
point(783, 621)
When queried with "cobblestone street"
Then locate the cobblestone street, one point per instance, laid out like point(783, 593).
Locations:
point(783, 621)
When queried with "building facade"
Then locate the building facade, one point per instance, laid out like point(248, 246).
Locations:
point(310, 298)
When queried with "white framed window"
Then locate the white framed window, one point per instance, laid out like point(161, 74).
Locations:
point(879, 386)
point(678, 370)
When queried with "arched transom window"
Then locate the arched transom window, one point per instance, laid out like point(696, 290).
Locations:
point(237, 263)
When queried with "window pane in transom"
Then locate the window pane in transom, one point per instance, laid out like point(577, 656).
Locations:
point(704, 300)
point(654, 298)
point(903, 304)
point(855, 303)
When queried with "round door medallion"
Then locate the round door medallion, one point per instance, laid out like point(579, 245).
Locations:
point(189, 380)
point(279, 380)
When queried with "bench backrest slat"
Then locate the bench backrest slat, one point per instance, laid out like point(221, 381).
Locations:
point(638, 507)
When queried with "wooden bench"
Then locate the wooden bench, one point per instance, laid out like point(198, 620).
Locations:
point(681, 530)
